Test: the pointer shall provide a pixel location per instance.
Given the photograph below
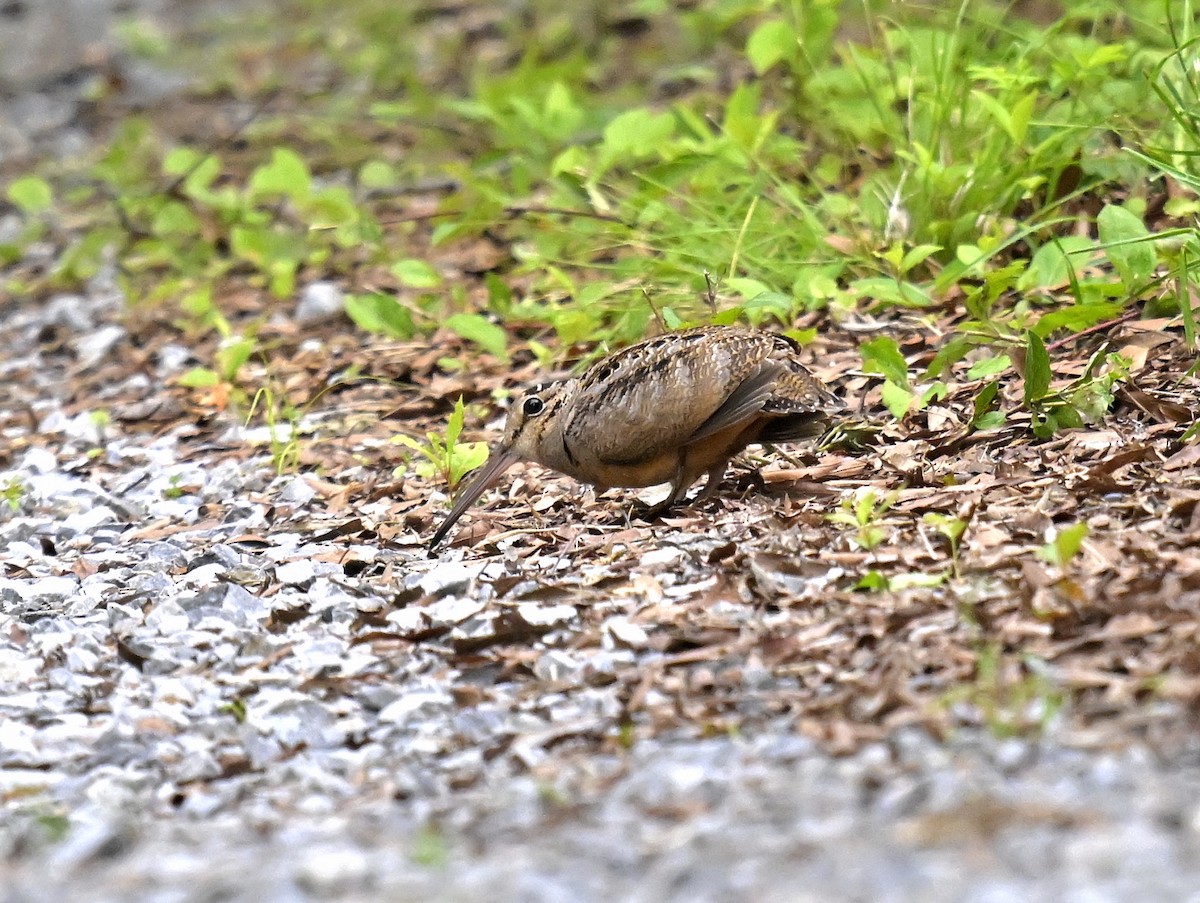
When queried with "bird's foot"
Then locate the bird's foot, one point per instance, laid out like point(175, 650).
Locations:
point(750, 482)
point(645, 512)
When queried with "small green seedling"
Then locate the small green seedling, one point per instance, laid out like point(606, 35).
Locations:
point(951, 528)
point(447, 458)
point(174, 488)
point(862, 512)
point(11, 492)
point(1066, 544)
point(283, 420)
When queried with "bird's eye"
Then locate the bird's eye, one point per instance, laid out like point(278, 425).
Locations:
point(533, 406)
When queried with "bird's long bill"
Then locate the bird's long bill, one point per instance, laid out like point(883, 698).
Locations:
point(499, 461)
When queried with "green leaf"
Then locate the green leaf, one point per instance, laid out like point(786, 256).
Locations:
point(286, 174)
point(991, 366)
point(1183, 298)
point(1022, 114)
point(1065, 546)
point(889, 291)
point(1052, 262)
point(882, 355)
point(30, 194)
point(898, 400)
point(1037, 369)
point(872, 581)
point(465, 457)
point(950, 527)
point(275, 252)
point(84, 258)
point(1077, 317)
point(175, 218)
point(330, 207)
point(743, 123)
point(180, 160)
point(917, 581)
point(378, 174)
point(917, 255)
point(771, 42)
point(746, 287)
point(1128, 243)
point(948, 355)
point(997, 110)
point(773, 302)
point(380, 314)
point(199, 378)
point(454, 424)
point(232, 354)
point(983, 403)
point(636, 134)
point(416, 274)
point(938, 390)
point(481, 331)
point(198, 184)
point(573, 326)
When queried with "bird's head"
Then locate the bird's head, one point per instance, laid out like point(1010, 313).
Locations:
point(533, 424)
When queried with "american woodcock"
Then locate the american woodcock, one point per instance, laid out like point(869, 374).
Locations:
point(667, 409)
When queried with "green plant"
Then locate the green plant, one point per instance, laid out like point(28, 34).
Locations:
point(174, 488)
point(862, 513)
point(12, 492)
point(283, 421)
point(882, 355)
point(1084, 400)
point(1012, 695)
point(430, 848)
point(952, 529)
point(445, 457)
point(1067, 542)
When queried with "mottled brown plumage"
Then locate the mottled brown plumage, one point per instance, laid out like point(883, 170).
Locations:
point(667, 409)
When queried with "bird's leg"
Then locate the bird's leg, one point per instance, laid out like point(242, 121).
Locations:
point(679, 488)
point(716, 474)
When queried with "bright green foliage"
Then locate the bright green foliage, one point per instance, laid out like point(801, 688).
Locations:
point(882, 355)
point(430, 849)
point(1062, 549)
point(199, 378)
point(283, 422)
point(863, 512)
point(30, 194)
point(381, 314)
point(482, 331)
point(232, 353)
point(1013, 695)
point(1037, 370)
point(952, 528)
point(447, 459)
point(1128, 244)
point(11, 492)
point(1083, 400)
point(416, 274)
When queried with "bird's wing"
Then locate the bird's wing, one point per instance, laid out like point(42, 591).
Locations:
point(647, 402)
point(745, 402)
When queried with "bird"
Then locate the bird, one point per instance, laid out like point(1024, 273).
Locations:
point(670, 408)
